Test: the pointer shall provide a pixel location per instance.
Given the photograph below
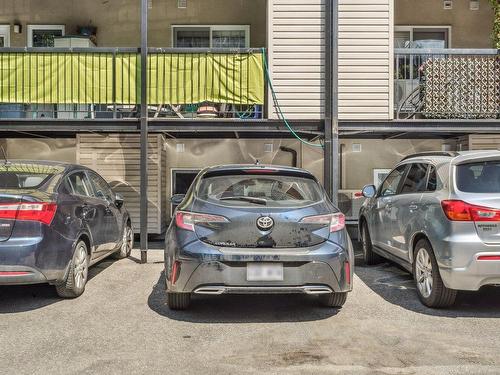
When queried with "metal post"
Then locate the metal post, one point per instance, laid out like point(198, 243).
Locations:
point(144, 132)
point(331, 152)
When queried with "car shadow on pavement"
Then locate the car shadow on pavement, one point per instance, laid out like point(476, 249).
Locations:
point(241, 308)
point(396, 286)
point(21, 298)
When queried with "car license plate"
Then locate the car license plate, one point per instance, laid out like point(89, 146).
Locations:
point(264, 272)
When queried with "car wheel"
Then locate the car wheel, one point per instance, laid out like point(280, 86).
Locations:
point(430, 287)
point(178, 301)
point(75, 282)
point(127, 243)
point(334, 299)
point(369, 256)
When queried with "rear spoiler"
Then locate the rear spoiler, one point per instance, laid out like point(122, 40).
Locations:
point(267, 171)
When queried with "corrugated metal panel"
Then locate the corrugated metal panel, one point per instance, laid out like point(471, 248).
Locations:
point(296, 53)
point(296, 56)
point(365, 59)
point(117, 159)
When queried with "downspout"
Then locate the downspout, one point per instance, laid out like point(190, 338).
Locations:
point(294, 154)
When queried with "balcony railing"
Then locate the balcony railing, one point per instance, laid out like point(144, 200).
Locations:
point(447, 83)
point(105, 83)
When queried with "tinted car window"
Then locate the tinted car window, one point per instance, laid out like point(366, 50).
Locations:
point(391, 183)
point(279, 191)
point(416, 179)
point(481, 177)
point(432, 183)
point(102, 189)
point(79, 184)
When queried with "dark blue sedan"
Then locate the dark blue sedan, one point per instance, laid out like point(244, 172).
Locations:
point(56, 220)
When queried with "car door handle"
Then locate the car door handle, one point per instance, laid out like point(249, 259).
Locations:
point(413, 207)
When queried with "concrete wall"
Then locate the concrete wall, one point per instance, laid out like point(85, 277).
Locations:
point(118, 21)
point(469, 29)
point(40, 149)
point(357, 167)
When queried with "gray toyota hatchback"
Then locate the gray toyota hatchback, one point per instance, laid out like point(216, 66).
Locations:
point(250, 229)
point(438, 215)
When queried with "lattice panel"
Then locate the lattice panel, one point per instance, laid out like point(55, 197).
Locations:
point(462, 87)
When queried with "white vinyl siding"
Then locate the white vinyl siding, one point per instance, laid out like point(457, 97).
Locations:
point(365, 59)
point(296, 50)
point(296, 57)
point(117, 159)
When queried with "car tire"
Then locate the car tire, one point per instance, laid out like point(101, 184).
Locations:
point(77, 276)
point(334, 299)
point(430, 287)
point(127, 243)
point(369, 256)
point(178, 301)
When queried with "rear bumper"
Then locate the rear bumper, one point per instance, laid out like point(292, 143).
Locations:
point(474, 275)
point(205, 269)
point(18, 275)
point(45, 256)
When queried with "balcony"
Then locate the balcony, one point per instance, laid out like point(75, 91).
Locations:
point(104, 83)
point(446, 84)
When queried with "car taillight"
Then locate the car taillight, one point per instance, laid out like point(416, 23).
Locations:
point(335, 221)
point(347, 270)
point(187, 220)
point(41, 212)
point(489, 257)
point(457, 210)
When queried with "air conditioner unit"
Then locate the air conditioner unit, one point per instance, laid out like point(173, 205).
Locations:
point(350, 204)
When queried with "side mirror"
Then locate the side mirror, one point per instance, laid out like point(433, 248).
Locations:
point(119, 200)
point(177, 199)
point(369, 191)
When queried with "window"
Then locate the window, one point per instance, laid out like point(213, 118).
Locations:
point(102, 189)
point(481, 177)
point(391, 183)
point(43, 35)
point(416, 179)
point(432, 183)
point(78, 184)
point(4, 35)
point(211, 36)
point(277, 191)
point(22, 180)
point(422, 37)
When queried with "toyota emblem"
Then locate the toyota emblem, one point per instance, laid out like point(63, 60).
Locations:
point(265, 223)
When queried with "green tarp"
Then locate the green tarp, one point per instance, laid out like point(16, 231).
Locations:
point(79, 78)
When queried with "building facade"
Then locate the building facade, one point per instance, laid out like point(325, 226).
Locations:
point(409, 76)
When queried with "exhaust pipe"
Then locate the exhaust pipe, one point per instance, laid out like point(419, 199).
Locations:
point(211, 290)
point(317, 290)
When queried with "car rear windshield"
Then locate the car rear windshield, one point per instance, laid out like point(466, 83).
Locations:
point(25, 176)
point(244, 190)
point(483, 177)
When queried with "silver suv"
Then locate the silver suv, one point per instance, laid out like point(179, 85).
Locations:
point(438, 215)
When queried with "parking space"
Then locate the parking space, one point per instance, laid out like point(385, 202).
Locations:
point(122, 325)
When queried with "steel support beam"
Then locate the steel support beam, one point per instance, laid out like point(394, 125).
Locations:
point(144, 132)
point(331, 151)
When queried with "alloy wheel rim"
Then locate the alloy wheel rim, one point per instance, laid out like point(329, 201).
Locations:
point(81, 267)
point(127, 241)
point(423, 272)
point(364, 242)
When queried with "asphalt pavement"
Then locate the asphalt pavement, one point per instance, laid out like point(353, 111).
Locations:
point(122, 325)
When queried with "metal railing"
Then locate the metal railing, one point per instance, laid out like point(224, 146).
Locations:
point(447, 83)
point(91, 83)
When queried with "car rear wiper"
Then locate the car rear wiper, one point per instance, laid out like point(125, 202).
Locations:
point(246, 199)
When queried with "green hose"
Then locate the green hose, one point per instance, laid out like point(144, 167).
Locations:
point(278, 106)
